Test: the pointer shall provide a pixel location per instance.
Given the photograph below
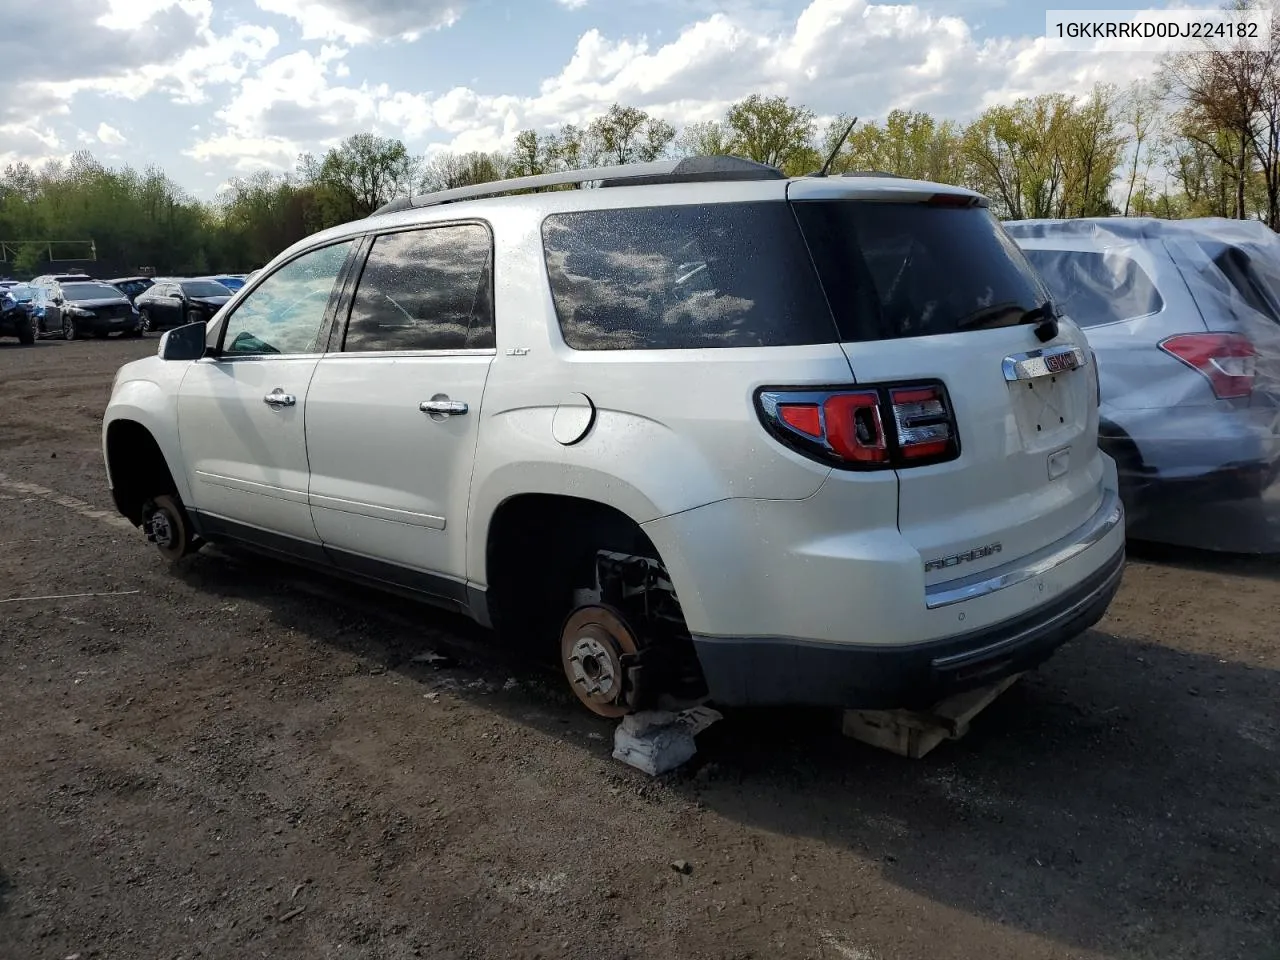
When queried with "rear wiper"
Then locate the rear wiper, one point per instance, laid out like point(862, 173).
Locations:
point(1045, 317)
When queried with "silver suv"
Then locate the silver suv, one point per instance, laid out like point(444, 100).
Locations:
point(1184, 317)
point(703, 429)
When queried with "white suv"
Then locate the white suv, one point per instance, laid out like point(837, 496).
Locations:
point(711, 430)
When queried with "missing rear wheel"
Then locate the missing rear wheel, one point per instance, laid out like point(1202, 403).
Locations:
point(595, 646)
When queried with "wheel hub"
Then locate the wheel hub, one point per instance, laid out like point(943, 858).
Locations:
point(595, 669)
point(594, 641)
point(159, 529)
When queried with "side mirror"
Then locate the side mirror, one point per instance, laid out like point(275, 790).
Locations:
point(183, 343)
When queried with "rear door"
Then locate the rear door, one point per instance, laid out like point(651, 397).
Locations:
point(393, 411)
point(929, 291)
point(50, 295)
point(171, 304)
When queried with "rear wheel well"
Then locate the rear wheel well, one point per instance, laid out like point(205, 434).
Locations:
point(541, 547)
point(550, 556)
point(139, 472)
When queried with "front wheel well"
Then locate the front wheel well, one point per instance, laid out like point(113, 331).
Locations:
point(138, 469)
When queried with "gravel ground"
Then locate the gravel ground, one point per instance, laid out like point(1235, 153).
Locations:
point(230, 760)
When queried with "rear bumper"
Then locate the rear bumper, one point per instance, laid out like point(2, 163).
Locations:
point(775, 671)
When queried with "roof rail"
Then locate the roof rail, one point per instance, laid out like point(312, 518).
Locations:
point(873, 173)
point(688, 170)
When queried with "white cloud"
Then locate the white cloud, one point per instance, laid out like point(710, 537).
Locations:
point(837, 55)
point(28, 143)
point(366, 21)
point(109, 135)
point(572, 4)
point(128, 49)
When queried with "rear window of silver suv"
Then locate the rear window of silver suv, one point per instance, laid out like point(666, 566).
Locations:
point(1096, 288)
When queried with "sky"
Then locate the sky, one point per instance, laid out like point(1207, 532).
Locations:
point(212, 89)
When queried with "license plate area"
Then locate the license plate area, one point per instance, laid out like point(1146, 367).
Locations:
point(1045, 410)
point(1045, 394)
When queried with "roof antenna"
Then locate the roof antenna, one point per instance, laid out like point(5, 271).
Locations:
point(836, 149)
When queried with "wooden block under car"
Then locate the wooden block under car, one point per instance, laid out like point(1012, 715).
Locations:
point(913, 733)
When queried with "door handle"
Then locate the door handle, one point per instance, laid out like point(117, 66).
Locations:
point(278, 398)
point(451, 408)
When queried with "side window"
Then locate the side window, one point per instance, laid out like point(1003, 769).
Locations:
point(1096, 288)
point(681, 277)
point(285, 313)
point(428, 289)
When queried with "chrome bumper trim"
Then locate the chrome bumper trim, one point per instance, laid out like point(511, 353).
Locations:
point(1107, 517)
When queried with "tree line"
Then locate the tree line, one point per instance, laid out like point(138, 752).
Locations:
point(1201, 138)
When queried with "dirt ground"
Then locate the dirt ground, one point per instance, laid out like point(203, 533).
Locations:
point(234, 760)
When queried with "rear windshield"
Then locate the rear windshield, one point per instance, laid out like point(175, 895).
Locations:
point(679, 277)
point(1096, 288)
point(910, 270)
point(90, 291)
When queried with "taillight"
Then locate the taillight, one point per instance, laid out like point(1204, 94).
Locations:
point(879, 426)
point(1226, 360)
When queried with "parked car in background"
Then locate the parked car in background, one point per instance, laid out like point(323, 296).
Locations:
point(1184, 317)
point(231, 281)
point(77, 308)
point(171, 303)
point(75, 276)
point(131, 286)
point(706, 430)
point(17, 319)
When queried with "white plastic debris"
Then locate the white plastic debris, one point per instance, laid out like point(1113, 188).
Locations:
point(657, 741)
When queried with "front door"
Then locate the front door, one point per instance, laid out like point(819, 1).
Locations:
point(393, 411)
point(48, 297)
point(241, 412)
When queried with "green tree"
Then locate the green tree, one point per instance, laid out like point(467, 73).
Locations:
point(773, 131)
point(29, 258)
point(360, 174)
point(448, 171)
point(530, 155)
point(710, 138)
point(629, 135)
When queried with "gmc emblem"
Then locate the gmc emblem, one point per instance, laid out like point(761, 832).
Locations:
point(1060, 362)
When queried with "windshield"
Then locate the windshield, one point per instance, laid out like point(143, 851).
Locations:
point(205, 288)
point(22, 292)
point(912, 270)
point(90, 291)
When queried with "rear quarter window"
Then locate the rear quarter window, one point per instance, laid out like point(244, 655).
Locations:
point(684, 277)
point(1096, 288)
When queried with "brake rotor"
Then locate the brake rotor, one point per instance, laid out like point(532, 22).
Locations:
point(592, 645)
